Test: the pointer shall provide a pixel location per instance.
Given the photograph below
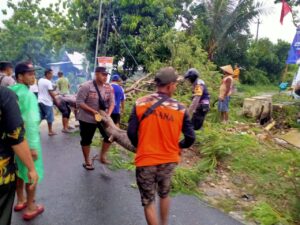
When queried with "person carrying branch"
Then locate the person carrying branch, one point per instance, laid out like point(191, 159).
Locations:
point(93, 96)
point(201, 98)
point(155, 125)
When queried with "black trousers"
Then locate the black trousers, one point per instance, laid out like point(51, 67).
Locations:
point(7, 197)
point(199, 116)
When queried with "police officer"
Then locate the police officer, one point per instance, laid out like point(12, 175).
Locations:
point(200, 104)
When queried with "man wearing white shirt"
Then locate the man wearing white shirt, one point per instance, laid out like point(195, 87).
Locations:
point(46, 98)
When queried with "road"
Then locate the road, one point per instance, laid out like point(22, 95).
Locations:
point(73, 196)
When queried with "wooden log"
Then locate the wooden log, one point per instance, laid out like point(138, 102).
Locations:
point(115, 133)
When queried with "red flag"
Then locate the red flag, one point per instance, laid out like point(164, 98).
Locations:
point(285, 10)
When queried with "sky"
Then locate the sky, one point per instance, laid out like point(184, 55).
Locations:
point(270, 26)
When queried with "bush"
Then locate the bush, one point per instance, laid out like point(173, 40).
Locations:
point(254, 76)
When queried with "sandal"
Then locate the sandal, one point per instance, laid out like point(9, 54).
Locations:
point(88, 166)
point(29, 216)
point(20, 207)
point(66, 131)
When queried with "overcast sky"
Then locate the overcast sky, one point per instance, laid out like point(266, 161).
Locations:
point(270, 26)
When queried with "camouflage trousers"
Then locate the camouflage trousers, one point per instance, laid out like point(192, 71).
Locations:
point(152, 179)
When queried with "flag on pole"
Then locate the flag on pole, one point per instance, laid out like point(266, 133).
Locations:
point(294, 53)
point(286, 8)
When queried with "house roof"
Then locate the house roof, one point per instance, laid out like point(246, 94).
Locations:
point(77, 59)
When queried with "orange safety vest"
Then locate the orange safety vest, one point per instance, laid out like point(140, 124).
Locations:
point(159, 133)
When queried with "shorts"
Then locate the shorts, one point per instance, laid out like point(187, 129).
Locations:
point(46, 112)
point(223, 106)
point(64, 109)
point(87, 132)
point(116, 118)
point(7, 196)
point(154, 178)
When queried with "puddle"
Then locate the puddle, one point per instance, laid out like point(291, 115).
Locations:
point(292, 137)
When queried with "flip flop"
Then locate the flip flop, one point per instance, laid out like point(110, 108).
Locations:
point(66, 131)
point(88, 166)
point(52, 134)
point(29, 216)
point(20, 207)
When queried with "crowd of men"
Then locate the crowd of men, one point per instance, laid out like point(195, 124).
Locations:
point(154, 128)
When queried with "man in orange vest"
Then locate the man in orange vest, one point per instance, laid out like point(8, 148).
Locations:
point(226, 90)
point(155, 125)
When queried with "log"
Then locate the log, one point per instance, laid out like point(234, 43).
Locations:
point(115, 133)
point(270, 126)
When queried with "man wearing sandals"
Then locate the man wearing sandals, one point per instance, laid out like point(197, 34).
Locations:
point(25, 75)
point(12, 142)
point(155, 125)
point(93, 96)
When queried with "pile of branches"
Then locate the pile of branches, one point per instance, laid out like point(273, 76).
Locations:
point(143, 84)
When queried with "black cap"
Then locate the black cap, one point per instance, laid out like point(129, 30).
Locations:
point(166, 76)
point(23, 68)
point(101, 69)
point(5, 64)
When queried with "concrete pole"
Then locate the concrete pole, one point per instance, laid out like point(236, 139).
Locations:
point(98, 33)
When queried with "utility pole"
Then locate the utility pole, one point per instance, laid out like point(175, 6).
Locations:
point(257, 30)
point(98, 33)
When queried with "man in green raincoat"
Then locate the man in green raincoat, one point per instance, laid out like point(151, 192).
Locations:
point(29, 108)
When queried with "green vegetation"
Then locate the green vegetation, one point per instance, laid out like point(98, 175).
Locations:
point(266, 171)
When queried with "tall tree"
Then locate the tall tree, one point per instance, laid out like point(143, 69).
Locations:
point(227, 21)
point(32, 33)
point(122, 23)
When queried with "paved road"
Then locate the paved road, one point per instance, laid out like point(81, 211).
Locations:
point(74, 196)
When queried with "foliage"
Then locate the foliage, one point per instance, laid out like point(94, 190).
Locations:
point(32, 33)
point(254, 76)
point(266, 215)
point(265, 62)
point(122, 24)
point(267, 57)
point(228, 22)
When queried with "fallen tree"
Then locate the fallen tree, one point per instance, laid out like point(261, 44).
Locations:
point(114, 133)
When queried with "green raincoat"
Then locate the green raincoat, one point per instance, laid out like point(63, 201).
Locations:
point(31, 116)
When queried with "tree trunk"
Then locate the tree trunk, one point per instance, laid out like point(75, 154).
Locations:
point(116, 134)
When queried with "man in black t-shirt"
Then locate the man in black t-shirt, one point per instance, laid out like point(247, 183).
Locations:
point(11, 142)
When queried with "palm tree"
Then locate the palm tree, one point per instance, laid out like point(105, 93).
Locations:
point(227, 20)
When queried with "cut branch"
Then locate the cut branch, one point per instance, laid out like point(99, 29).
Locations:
point(115, 133)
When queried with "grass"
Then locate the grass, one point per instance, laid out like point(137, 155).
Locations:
point(270, 173)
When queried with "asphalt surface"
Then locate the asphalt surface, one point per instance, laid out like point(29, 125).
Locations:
point(73, 196)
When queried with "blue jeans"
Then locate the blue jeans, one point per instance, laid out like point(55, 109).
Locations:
point(223, 106)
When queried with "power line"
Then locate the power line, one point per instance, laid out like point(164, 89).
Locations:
point(123, 42)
